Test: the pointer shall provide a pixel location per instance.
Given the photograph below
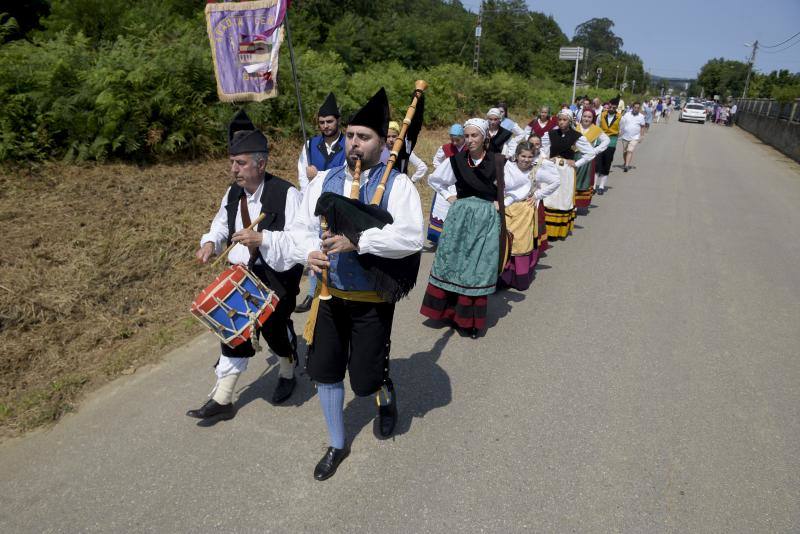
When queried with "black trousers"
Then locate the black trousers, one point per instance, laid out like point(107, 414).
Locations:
point(605, 158)
point(277, 331)
point(355, 337)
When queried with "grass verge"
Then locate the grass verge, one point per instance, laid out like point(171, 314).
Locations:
point(97, 272)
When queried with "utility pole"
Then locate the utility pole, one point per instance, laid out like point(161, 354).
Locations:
point(633, 83)
point(478, 30)
point(616, 76)
point(599, 72)
point(625, 76)
point(749, 67)
point(575, 79)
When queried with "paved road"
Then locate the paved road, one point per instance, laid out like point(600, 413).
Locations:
point(669, 403)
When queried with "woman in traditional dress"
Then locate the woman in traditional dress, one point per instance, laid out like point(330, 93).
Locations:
point(541, 124)
point(440, 205)
point(584, 176)
point(509, 124)
point(561, 144)
point(522, 202)
point(467, 262)
point(500, 140)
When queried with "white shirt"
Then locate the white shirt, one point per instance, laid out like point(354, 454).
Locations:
point(403, 237)
point(275, 245)
point(418, 164)
point(630, 127)
point(443, 179)
point(302, 162)
point(582, 144)
point(517, 183)
point(546, 178)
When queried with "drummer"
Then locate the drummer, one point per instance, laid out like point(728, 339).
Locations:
point(264, 251)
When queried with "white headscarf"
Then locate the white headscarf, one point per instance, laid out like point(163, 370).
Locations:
point(480, 124)
point(566, 113)
point(494, 112)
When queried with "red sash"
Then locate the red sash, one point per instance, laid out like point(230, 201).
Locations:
point(451, 150)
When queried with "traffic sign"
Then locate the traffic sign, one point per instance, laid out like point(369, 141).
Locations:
point(570, 52)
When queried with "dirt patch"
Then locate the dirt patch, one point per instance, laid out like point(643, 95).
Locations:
point(97, 272)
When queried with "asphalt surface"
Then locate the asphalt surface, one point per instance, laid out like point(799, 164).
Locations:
point(648, 381)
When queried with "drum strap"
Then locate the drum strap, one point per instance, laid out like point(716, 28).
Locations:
point(246, 220)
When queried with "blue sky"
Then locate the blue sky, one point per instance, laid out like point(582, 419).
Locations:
point(675, 38)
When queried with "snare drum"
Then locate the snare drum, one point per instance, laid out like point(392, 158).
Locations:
point(235, 305)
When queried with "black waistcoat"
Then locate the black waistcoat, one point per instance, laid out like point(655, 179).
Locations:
point(273, 205)
point(563, 146)
point(480, 181)
point(496, 143)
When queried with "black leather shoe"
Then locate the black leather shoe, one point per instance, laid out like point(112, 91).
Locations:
point(326, 467)
point(284, 389)
point(304, 306)
point(212, 409)
point(387, 416)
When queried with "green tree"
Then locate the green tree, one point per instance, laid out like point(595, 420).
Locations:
point(597, 35)
point(722, 77)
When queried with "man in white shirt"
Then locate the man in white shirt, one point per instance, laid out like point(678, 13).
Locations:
point(321, 152)
point(349, 331)
point(631, 129)
point(732, 116)
point(265, 250)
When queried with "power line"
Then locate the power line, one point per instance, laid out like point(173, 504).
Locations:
point(782, 42)
point(782, 49)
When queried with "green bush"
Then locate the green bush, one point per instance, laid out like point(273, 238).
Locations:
point(150, 94)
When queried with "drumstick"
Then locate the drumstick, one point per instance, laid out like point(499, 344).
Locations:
point(225, 252)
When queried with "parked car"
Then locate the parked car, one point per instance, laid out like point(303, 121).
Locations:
point(693, 112)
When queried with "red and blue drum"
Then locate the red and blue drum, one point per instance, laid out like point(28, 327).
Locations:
point(234, 305)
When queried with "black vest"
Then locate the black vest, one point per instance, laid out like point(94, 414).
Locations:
point(496, 143)
point(273, 204)
point(480, 181)
point(563, 146)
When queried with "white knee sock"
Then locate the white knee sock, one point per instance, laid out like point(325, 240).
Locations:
point(287, 367)
point(223, 391)
point(601, 181)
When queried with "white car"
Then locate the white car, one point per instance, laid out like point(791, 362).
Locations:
point(693, 112)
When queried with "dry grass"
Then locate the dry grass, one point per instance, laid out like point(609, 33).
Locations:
point(97, 272)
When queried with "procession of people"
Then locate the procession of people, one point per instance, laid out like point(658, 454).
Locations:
point(356, 225)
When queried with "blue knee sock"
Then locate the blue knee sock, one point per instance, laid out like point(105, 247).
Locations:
point(331, 397)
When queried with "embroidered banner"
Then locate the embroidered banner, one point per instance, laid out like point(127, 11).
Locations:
point(245, 42)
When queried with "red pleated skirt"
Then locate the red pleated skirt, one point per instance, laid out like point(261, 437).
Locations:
point(464, 311)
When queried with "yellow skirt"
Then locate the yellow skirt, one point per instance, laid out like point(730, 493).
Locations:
point(521, 222)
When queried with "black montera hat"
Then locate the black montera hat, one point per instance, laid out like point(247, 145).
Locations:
point(614, 101)
point(250, 140)
point(329, 107)
point(374, 114)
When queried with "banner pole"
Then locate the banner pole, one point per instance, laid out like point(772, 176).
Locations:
point(296, 83)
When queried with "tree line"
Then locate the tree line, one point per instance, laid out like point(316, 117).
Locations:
point(726, 78)
point(98, 79)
